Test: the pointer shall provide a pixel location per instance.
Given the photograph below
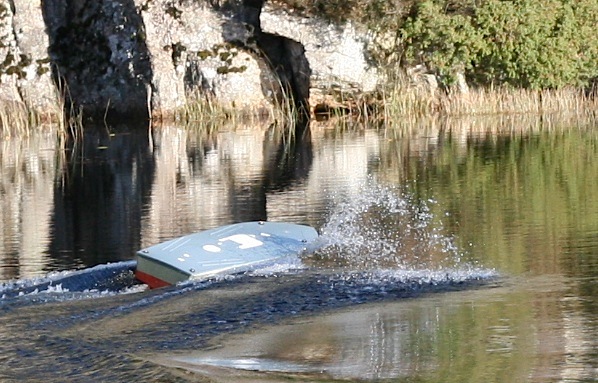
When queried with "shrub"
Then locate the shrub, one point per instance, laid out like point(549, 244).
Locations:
point(533, 44)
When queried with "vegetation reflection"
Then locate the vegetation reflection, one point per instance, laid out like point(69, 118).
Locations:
point(521, 198)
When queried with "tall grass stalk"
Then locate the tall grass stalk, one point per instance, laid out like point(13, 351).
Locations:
point(404, 99)
point(203, 111)
point(285, 113)
point(500, 101)
point(17, 118)
point(68, 118)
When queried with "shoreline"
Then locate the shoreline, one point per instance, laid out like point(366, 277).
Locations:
point(382, 107)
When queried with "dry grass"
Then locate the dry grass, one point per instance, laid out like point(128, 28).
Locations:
point(403, 98)
point(401, 101)
point(18, 118)
point(405, 104)
point(206, 113)
point(202, 111)
point(509, 101)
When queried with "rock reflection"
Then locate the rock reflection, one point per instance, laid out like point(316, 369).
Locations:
point(98, 197)
point(206, 180)
point(27, 174)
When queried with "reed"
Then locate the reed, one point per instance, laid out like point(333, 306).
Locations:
point(207, 114)
point(203, 111)
point(19, 118)
point(16, 118)
point(404, 99)
point(401, 99)
point(68, 118)
point(284, 114)
point(526, 101)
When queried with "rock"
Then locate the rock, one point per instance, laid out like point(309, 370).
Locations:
point(98, 49)
point(198, 51)
point(421, 80)
point(337, 54)
point(138, 58)
point(283, 55)
point(24, 63)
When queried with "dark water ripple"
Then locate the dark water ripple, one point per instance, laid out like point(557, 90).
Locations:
point(104, 338)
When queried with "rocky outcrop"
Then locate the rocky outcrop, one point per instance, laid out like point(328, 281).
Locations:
point(337, 54)
point(199, 50)
point(99, 54)
point(138, 58)
point(24, 61)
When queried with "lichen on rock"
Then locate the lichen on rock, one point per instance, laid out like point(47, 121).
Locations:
point(150, 57)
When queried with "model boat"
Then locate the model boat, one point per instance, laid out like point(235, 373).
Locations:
point(225, 250)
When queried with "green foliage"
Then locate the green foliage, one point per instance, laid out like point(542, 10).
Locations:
point(535, 44)
point(446, 42)
point(525, 43)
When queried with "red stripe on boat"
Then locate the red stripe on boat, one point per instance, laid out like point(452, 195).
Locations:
point(150, 280)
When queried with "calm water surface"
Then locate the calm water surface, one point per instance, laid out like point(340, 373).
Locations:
point(459, 251)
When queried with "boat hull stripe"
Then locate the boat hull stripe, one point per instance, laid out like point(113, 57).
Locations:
point(150, 280)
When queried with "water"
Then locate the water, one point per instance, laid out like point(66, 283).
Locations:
point(452, 253)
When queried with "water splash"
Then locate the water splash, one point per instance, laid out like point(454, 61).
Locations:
point(383, 227)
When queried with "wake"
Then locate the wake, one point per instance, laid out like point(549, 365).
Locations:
point(100, 280)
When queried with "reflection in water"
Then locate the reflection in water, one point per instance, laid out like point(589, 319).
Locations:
point(525, 198)
point(99, 196)
point(395, 202)
point(204, 181)
point(27, 174)
point(487, 335)
point(113, 193)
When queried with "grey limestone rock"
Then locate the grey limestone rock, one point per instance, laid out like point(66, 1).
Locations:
point(143, 58)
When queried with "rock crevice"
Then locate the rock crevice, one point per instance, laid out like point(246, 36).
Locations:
point(284, 55)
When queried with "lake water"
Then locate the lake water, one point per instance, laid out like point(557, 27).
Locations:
point(456, 251)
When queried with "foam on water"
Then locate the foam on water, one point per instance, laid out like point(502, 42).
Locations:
point(281, 266)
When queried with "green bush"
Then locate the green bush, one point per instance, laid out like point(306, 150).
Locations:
point(535, 44)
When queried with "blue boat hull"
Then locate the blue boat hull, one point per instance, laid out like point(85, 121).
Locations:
point(225, 250)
